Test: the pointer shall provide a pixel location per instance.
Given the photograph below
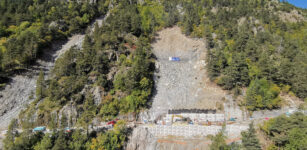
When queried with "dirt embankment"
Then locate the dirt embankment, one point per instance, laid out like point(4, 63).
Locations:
point(178, 84)
point(182, 84)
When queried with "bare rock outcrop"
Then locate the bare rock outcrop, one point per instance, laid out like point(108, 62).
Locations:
point(141, 139)
point(70, 111)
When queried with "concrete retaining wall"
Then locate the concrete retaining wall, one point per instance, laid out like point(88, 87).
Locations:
point(192, 130)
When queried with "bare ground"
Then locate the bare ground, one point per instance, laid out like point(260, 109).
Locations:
point(178, 85)
point(182, 84)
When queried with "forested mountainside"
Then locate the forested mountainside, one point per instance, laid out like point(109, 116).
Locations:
point(255, 45)
point(28, 27)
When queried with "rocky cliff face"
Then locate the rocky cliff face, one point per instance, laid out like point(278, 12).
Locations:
point(141, 139)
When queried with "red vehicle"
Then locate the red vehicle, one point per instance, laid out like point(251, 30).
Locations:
point(113, 122)
point(68, 130)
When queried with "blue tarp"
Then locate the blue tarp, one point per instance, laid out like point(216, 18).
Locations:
point(174, 59)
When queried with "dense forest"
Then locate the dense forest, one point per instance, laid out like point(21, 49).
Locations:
point(263, 52)
point(122, 45)
point(28, 27)
point(249, 46)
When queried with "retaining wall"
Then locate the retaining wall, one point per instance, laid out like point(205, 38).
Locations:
point(192, 130)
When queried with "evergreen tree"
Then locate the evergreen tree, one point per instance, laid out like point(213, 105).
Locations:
point(40, 85)
point(219, 141)
point(10, 135)
point(64, 121)
point(89, 112)
point(61, 142)
point(78, 140)
point(44, 144)
point(249, 139)
point(53, 122)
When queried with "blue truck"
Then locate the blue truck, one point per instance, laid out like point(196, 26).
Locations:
point(232, 119)
point(174, 59)
point(39, 129)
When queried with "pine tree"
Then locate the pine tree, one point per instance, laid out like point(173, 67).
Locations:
point(61, 142)
point(64, 121)
point(249, 139)
point(40, 85)
point(10, 136)
point(44, 144)
point(89, 112)
point(53, 122)
point(78, 140)
point(219, 141)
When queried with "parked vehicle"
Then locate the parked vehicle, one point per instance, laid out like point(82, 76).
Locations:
point(39, 129)
point(113, 122)
point(68, 130)
point(232, 119)
point(174, 59)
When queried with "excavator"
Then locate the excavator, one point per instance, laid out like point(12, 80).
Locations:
point(182, 119)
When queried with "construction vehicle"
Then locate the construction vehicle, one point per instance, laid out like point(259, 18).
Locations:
point(232, 119)
point(178, 116)
point(182, 119)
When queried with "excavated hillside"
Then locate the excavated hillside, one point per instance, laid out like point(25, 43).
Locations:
point(180, 84)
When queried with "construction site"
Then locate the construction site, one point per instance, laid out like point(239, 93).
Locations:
point(193, 123)
point(186, 105)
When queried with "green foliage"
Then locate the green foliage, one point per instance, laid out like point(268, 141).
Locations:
point(30, 26)
point(89, 112)
point(10, 135)
point(249, 139)
point(112, 140)
point(151, 13)
point(44, 144)
point(287, 132)
point(40, 86)
point(238, 56)
point(61, 142)
point(25, 140)
point(219, 141)
point(239, 53)
point(78, 141)
point(262, 94)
